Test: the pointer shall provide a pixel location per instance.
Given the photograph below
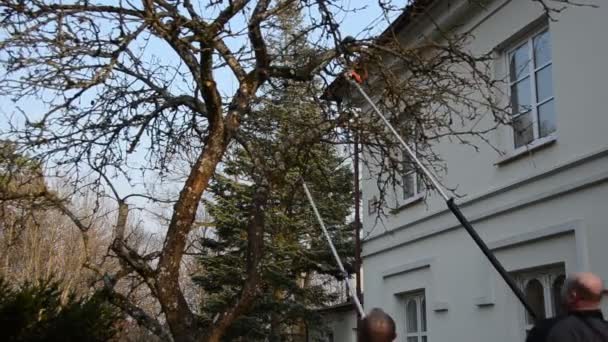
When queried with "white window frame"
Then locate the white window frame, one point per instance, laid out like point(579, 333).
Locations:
point(417, 182)
point(372, 206)
point(546, 276)
point(418, 298)
point(413, 172)
point(529, 42)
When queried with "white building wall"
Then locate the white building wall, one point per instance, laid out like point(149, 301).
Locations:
point(546, 207)
point(344, 326)
point(341, 323)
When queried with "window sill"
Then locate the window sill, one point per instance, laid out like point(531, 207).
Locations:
point(484, 301)
point(440, 307)
point(409, 202)
point(527, 149)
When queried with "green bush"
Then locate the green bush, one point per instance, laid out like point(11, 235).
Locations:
point(34, 312)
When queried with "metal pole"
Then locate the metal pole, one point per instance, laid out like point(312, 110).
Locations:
point(351, 292)
point(357, 217)
point(410, 152)
point(452, 206)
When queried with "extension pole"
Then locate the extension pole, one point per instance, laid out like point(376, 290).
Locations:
point(351, 291)
point(451, 205)
point(357, 218)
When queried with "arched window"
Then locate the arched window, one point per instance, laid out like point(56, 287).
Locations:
point(536, 297)
point(423, 316)
point(541, 287)
point(557, 286)
point(415, 317)
point(412, 316)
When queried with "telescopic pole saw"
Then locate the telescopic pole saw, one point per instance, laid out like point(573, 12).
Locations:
point(351, 292)
point(354, 80)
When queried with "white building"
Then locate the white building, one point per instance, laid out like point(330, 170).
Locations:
point(341, 323)
point(542, 207)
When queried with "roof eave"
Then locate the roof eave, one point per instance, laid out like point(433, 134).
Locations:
point(335, 92)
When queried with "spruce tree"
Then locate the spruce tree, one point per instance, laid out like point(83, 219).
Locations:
point(295, 250)
point(296, 259)
point(35, 312)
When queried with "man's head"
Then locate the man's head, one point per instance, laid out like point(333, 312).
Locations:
point(582, 291)
point(377, 326)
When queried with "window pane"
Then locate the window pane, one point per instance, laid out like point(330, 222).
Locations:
point(412, 317)
point(423, 315)
point(556, 290)
point(520, 96)
point(536, 298)
point(542, 49)
point(412, 339)
point(409, 183)
point(409, 188)
point(544, 83)
point(519, 62)
point(423, 338)
point(522, 129)
point(546, 118)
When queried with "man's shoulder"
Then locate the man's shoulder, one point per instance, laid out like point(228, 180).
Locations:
point(568, 328)
point(543, 328)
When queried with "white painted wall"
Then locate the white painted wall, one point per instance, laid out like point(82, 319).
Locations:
point(342, 323)
point(546, 207)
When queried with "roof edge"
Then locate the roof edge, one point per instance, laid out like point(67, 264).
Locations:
point(333, 91)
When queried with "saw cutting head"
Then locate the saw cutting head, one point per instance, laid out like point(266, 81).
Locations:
point(358, 74)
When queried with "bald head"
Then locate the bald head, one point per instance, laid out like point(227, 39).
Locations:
point(582, 291)
point(377, 326)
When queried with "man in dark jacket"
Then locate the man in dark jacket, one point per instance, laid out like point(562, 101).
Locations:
point(584, 322)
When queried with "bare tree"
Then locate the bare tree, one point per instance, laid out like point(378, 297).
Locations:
point(40, 243)
point(130, 89)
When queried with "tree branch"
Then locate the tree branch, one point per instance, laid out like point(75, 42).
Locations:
point(134, 311)
point(305, 72)
point(256, 38)
point(222, 19)
point(230, 59)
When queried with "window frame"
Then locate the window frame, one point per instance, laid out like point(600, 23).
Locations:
point(533, 69)
point(546, 275)
point(412, 171)
point(372, 206)
point(419, 298)
point(417, 181)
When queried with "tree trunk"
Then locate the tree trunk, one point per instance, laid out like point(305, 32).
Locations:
point(180, 319)
point(275, 323)
point(255, 245)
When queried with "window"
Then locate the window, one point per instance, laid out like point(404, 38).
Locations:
point(415, 318)
point(542, 288)
point(531, 88)
point(372, 205)
point(411, 181)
